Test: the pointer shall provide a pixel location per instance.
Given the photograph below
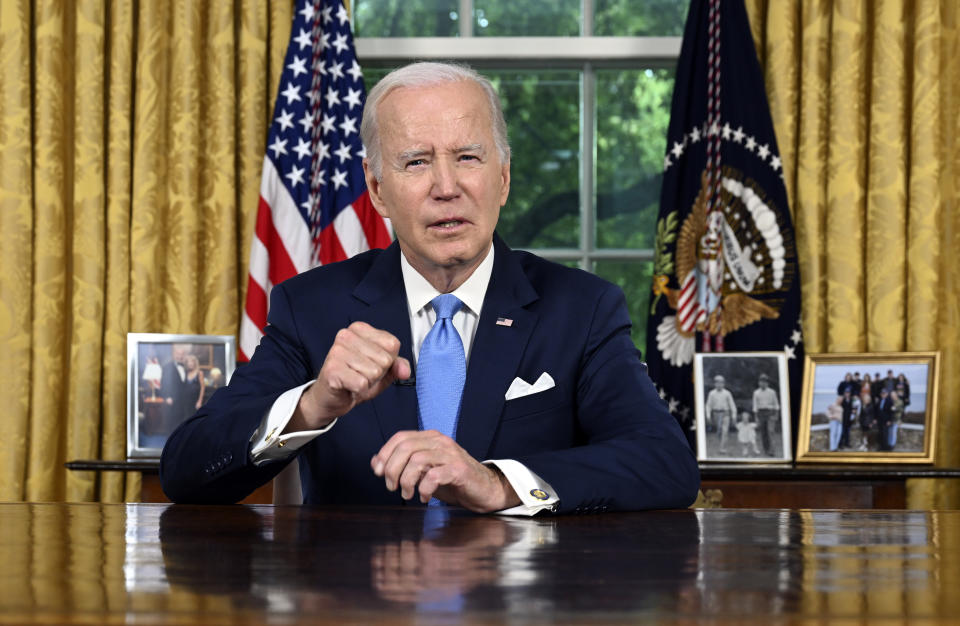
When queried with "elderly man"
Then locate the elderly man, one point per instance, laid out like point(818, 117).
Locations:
point(448, 367)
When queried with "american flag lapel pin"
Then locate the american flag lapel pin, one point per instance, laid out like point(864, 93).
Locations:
point(504, 321)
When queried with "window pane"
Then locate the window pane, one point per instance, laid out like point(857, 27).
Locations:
point(406, 18)
point(637, 18)
point(529, 18)
point(542, 108)
point(633, 112)
point(634, 278)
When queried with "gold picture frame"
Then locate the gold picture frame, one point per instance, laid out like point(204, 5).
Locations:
point(846, 420)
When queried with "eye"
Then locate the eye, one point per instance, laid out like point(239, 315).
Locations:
point(469, 157)
point(415, 162)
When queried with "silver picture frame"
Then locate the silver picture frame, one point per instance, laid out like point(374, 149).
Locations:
point(169, 376)
point(759, 430)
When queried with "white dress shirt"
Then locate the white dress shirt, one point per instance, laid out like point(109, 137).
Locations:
point(271, 445)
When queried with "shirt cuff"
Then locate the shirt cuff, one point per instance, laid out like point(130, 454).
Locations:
point(267, 444)
point(535, 493)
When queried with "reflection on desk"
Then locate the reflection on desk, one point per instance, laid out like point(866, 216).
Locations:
point(90, 563)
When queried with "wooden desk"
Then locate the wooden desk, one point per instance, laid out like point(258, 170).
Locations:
point(155, 564)
point(813, 486)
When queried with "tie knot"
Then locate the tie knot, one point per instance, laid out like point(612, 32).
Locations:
point(445, 305)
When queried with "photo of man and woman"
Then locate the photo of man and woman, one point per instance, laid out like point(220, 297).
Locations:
point(170, 380)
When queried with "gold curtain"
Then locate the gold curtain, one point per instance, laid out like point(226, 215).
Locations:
point(865, 98)
point(131, 140)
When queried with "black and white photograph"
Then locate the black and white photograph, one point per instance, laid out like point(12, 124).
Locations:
point(742, 407)
point(169, 378)
point(868, 407)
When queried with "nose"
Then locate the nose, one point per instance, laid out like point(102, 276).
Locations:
point(445, 183)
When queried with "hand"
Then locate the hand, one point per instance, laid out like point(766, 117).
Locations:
point(362, 362)
point(435, 465)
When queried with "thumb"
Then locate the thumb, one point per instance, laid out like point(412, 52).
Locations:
point(401, 369)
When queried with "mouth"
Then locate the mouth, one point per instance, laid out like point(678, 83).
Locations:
point(448, 224)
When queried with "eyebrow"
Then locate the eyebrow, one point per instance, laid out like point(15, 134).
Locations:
point(474, 147)
point(408, 155)
point(413, 154)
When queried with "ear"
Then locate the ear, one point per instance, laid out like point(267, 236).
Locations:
point(504, 182)
point(374, 187)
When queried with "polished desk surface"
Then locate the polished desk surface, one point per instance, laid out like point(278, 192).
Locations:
point(152, 563)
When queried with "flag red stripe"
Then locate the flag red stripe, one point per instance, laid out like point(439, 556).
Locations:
point(256, 307)
point(330, 249)
point(281, 266)
point(373, 226)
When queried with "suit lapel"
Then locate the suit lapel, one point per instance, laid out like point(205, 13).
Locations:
point(383, 305)
point(496, 352)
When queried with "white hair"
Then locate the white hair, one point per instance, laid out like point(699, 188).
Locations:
point(425, 74)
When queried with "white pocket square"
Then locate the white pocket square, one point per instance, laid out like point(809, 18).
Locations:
point(520, 388)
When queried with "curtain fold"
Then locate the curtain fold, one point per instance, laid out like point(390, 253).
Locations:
point(864, 97)
point(131, 141)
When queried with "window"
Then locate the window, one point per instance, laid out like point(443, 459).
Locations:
point(586, 87)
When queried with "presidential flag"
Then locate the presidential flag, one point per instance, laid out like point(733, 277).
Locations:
point(725, 276)
point(314, 207)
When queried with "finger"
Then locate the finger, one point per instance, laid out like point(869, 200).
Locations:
point(402, 369)
point(396, 466)
point(433, 480)
point(381, 338)
point(367, 357)
point(411, 457)
point(379, 461)
point(417, 464)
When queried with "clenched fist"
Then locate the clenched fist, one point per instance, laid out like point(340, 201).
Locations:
point(362, 362)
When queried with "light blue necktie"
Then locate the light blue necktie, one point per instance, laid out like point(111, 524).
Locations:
point(441, 370)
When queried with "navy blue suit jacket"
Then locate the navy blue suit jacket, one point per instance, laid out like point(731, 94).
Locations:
point(602, 437)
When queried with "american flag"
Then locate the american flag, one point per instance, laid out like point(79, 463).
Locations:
point(314, 206)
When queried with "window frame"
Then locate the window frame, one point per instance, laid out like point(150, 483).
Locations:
point(586, 54)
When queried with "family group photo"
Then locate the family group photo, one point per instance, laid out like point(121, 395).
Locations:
point(742, 407)
point(871, 408)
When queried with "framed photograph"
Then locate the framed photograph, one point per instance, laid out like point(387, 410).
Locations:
point(169, 377)
point(742, 402)
point(869, 408)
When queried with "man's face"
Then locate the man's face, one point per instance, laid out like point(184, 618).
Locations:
point(718, 383)
point(443, 183)
point(763, 383)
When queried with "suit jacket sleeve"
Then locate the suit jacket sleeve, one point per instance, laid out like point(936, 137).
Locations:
point(635, 455)
point(206, 459)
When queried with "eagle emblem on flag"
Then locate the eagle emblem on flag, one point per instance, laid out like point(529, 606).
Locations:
point(730, 267)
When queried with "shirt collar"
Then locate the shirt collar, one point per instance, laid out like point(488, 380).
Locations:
point(471, 292)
